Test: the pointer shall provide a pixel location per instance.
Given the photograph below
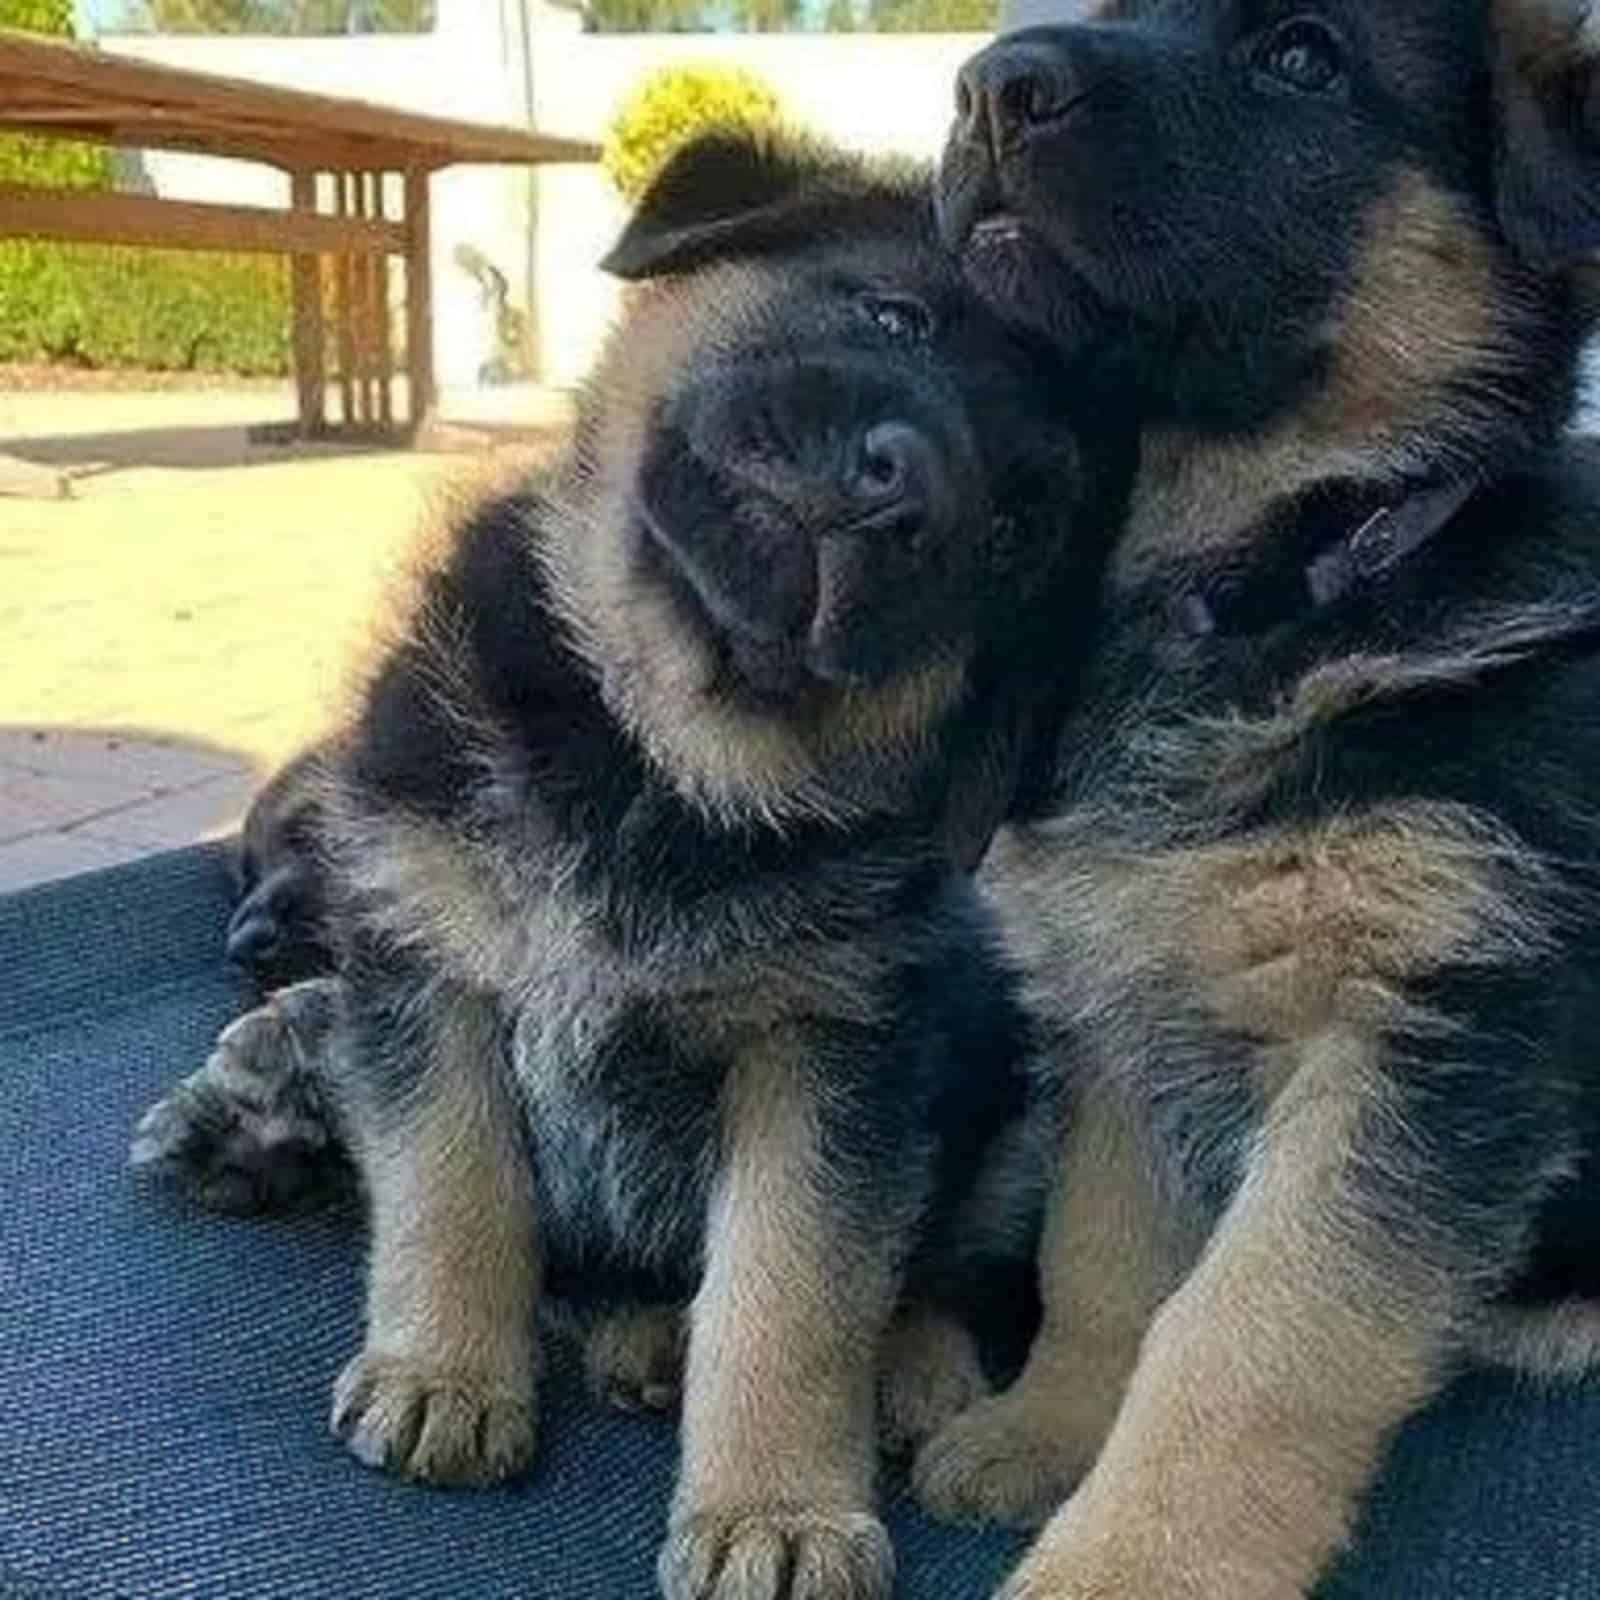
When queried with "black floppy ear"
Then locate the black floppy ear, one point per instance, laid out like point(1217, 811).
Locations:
point(1547, 169)
point(725, 193)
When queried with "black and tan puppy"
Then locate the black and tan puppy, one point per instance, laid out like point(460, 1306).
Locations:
point(1314, 914)
point(662, 987)
point(277, 931)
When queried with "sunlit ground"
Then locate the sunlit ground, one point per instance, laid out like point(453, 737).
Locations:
point(209, 602)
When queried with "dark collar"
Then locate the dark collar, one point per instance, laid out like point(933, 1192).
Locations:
point(1326, 553)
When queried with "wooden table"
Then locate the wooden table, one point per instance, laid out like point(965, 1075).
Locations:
point(69, 91)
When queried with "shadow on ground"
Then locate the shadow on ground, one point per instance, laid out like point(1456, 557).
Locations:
point(84, 455)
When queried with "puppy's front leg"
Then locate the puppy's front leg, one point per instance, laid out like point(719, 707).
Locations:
point(775, 1497)
point(1326, 1308)
point(443, 1389)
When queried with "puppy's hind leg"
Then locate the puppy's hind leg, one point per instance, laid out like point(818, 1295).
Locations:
point(256, 1128)
point(1107, 1260)
point(443, 1389)
point(633, 1357)
point(931, 1373)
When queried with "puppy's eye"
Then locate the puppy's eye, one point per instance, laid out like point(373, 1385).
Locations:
point(1304, 55)
point(899, 316)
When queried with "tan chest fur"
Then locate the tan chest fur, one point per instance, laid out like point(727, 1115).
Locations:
point(1278, 935)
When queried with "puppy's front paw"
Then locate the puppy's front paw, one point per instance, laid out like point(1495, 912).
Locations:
point(252, 1129)
point(777, 1554)
point(999, 1462)
point(435, 1424)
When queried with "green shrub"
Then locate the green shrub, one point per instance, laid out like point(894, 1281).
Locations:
point(53, 163)
point(670, 107)
point(37, 16)
point(164, 310)
point(102, 306)
point(48, 162)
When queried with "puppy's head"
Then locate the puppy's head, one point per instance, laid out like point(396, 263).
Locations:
point(797, 460)
point(278, 929)
point(1359, 219)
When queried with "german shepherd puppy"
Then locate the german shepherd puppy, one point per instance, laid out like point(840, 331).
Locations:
point(661, 985)
point(1312, 920)
point(277, 931)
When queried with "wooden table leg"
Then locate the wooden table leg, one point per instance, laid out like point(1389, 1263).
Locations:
point(419, 299)
point(309, 378)
point(383, 354)
point(344, 193)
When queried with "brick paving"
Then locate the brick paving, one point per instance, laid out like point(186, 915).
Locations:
point(181, 624)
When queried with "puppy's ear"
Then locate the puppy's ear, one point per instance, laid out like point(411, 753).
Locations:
point(725, 193)
point(1547, 170)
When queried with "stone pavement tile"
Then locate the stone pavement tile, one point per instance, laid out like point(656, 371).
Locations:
point(24, 862)
point(122, 758)
point(183, 817)
point(32, 803)
point(17, 820)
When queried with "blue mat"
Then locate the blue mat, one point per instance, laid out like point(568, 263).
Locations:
point(165, 1373)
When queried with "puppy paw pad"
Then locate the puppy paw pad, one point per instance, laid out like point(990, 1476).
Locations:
point(991, 1465)
point(778, 1555)
point(249, 1131)
point(435, 1425)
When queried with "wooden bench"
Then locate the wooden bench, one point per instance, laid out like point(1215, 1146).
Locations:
point(70, 91)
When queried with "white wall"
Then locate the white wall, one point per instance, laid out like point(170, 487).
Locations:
point(872, 92)
point(465, 68)
point(877, 93)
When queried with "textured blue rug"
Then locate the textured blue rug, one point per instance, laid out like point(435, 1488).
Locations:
point(165, 1373)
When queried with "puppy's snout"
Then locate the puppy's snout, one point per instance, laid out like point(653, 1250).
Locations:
point(1008, 90)
point(815, 511)
point(898, 473)
point(253, 936)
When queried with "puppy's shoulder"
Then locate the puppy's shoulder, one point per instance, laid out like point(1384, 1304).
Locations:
point(473, 674)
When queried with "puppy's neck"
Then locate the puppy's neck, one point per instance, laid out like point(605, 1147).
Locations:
point(1460, 383)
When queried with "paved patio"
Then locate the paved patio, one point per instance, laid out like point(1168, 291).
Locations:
point(184, 622)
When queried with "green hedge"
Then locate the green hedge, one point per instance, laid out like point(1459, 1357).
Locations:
point(166, 310)
point(48, 161)
point(99, 306)
point(37, 16)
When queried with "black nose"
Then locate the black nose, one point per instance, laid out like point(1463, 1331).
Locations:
point(1008, 90)
point(252, 938)
point(896, 471)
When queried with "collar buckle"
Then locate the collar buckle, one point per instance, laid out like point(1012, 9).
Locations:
point(1382, 541)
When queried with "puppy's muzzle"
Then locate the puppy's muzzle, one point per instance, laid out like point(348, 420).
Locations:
point(254, 937)
point(800, 520)
point(1014, 87)
point(1026, 103)
point(275, 933)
